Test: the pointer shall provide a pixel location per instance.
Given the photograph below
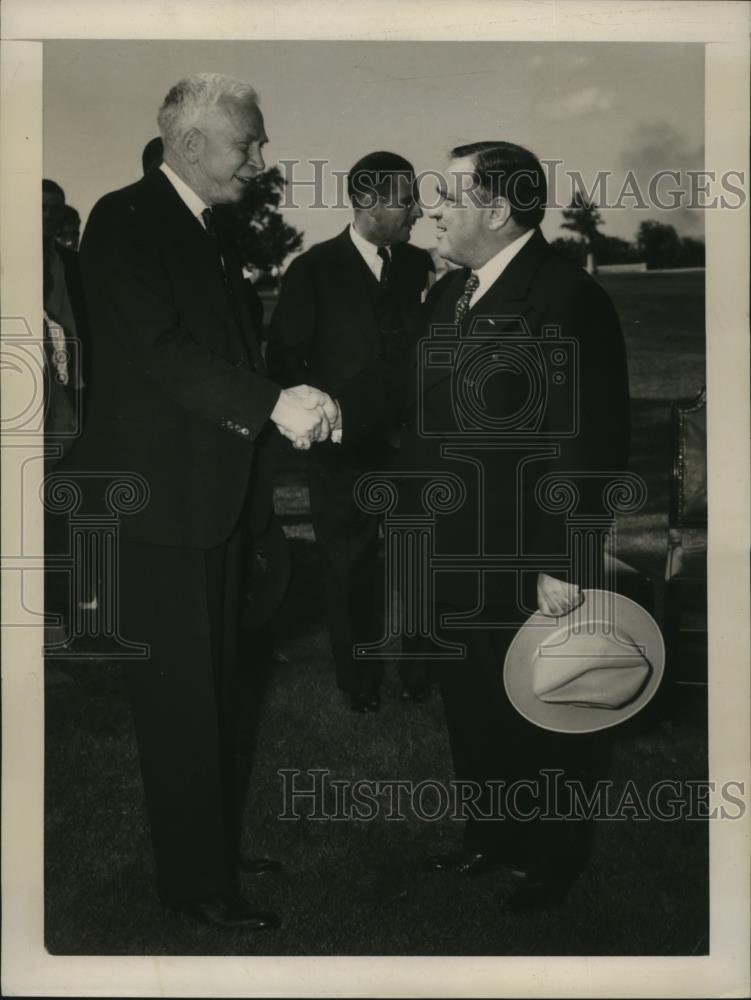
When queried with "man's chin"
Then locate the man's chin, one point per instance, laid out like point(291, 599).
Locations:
point(232, 197)
point(231, 193)
point(446, 254)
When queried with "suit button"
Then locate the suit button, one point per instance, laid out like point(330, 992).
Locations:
point(244, 431)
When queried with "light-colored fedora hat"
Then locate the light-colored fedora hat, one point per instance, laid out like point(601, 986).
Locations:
point(588, 670)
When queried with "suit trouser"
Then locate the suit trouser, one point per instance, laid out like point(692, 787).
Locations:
point(59, 598)
point(185, 604)
point(492, 745)
point(57, 583)
point(347, 538)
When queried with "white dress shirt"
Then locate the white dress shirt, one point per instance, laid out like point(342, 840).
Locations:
point(492, 269)
point(368, 252)
point(187, 194)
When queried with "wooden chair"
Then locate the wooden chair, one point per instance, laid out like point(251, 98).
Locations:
point(685, 595)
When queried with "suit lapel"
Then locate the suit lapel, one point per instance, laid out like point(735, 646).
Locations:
point(512, 286)
point(497, 311)
point(190, 237)
point(240, 291)
point(198, 252)
point(356, 284)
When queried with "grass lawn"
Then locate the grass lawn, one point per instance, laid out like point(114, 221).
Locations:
point(358, 888)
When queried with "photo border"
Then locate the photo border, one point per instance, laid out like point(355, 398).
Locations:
point(26, 967)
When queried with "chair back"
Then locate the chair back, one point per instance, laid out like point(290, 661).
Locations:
point(688, 481)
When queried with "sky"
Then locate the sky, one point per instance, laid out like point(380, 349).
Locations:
point(594, 106)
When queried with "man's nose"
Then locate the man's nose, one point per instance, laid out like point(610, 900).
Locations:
point(416, 212)
point(256, 160)
point(434, 213)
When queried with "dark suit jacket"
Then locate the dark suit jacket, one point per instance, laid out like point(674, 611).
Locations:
point(565, 391)
point(179, 392)
point(64, 407)
point(325, 328)
point(74, 284)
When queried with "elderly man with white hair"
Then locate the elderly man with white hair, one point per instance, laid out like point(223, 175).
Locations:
point(180, 396)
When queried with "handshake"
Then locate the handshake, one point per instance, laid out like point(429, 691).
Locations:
point(304, 415)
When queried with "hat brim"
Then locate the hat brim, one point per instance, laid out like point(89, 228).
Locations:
point(629, 617)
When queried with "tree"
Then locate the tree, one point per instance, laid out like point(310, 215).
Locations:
point(571, 248)
point(583, 217)
point(614, 250)
point(265, 240)
point(659, 244)
point(692, 253)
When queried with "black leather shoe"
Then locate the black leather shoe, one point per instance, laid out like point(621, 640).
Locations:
point(534, 892)
point(365, 703)
point(463, 862)
point(415, 692)
point(229, 912)
point(259, 866)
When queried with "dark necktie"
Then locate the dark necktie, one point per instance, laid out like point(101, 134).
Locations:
point(462, 306)
point(208, 220)
point(386, 266)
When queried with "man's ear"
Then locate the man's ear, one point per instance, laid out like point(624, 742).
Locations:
point(371, 204)
point(191, 144)
point(499, 214)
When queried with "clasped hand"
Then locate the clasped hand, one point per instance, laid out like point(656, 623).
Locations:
point(306, 415)
point(555, 597)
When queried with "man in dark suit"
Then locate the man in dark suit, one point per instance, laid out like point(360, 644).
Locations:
point(152, 154)
point(152, 158)
point(67, 369)
point(64, 301)
point(345, 304)
point(180, 396)
point(533, 382)
point(70, 231)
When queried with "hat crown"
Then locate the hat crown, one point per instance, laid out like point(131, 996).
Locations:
point(606, 659)
point(597, 665)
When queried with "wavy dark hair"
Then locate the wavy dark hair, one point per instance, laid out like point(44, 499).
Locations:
point(503, 169)
point(374, 176)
